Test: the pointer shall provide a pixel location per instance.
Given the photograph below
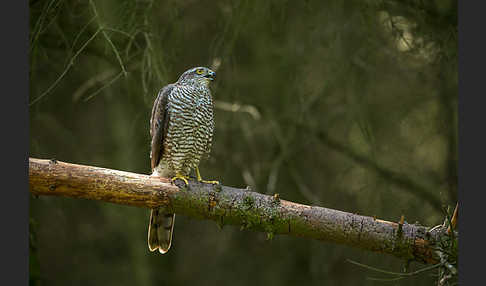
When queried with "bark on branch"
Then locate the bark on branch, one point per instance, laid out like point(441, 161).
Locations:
point(233, 206)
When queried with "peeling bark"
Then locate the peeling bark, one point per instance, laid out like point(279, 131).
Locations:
point(233, 206)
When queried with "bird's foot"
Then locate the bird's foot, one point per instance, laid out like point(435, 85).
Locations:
point(199, 179)
point(209, 182)
point(181, 177)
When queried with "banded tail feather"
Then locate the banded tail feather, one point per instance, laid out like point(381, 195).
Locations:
point(161, 226)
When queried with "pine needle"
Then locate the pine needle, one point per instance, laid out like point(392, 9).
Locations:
point(68, 67)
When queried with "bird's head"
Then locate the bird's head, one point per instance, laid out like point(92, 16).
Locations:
point(197, 75)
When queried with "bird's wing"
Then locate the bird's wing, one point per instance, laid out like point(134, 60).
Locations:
point(158, 124)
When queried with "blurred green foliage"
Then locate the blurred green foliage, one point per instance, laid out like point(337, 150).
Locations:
point(340, 103)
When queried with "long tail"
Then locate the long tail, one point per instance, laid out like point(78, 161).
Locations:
point(160, 230)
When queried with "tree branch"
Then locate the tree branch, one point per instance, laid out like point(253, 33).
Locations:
point(232, 206)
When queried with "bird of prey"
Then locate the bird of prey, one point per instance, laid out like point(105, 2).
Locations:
point(181, 128)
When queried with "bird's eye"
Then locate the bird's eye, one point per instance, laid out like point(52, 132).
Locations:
point(199, 71)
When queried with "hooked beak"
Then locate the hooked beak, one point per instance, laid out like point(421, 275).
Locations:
point(210, 75)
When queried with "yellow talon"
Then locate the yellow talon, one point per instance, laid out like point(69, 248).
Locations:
point(199, 179)
point(210, 182)
point(179, 176)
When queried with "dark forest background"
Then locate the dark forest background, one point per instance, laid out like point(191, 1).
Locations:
point(350, 105)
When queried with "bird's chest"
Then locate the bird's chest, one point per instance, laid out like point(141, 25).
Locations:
point(190, 108)
point(190, 126)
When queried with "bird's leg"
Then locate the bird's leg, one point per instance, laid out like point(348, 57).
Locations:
point(204, 181)
point(179, 176)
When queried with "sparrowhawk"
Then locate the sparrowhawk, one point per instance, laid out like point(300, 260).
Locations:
point(181, 128)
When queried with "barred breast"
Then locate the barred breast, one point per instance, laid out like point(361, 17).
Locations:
point(190, 130)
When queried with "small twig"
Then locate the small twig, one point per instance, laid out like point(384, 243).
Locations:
point(235, 107)
point(82, 31)
point(395, 273)
point(104, 86)
point(119, 31)
point(101, 77)
point(68, 67)
point(91, 82)
point(453, 220)
point(384, 279)
point(105, 35)
point(38, 27)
